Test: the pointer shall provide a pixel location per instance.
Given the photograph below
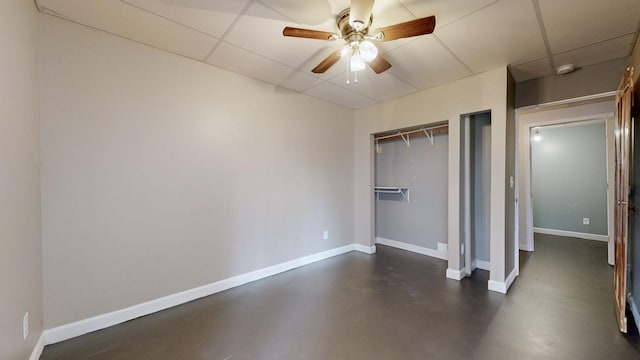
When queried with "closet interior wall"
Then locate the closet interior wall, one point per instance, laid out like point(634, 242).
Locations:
point(480, 181)
point(417, 220)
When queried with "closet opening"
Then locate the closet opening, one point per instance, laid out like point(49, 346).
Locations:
point(411, 182)
point(476, 191)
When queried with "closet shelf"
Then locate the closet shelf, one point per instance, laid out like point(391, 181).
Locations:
point(392, 190)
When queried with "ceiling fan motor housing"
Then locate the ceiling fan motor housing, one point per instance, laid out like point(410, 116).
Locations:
point(347, 31)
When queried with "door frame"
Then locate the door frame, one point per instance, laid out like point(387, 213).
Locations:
point(525, 220)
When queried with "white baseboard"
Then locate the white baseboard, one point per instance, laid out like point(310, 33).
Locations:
point(68, 331)
point(365, 249)
point(455, 274)
point(482, 265)
point(503, 287)
point(413, 248)
point(37, 349)
point(574, 234)
point(511, 278)
point(497, 286)
point(525, 247)
point(634, 311)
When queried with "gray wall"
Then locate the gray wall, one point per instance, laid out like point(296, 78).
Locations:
point(568, 178)
point(510, 190)
point(20, 245)
point(594, 79)
point(161, 174)
point(480, 126)
point(423, 169)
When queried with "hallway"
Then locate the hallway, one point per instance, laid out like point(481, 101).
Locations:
point(392, 305)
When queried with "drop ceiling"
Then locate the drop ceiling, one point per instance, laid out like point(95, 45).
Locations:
point(471, 36)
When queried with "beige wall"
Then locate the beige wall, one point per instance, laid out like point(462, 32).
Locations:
point(20, 246)
point(487, 91)
point(161, 174)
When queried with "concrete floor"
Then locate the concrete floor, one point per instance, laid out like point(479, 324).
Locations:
point(392, 305)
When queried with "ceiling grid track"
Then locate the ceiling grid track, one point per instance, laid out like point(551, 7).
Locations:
point(228, 30)
point(274, 10)
point(543, 32)
point(126, 2)
point(444, 46)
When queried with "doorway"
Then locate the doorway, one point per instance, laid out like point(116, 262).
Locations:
point(476, 175)
point(569, 180)
point(530, 120)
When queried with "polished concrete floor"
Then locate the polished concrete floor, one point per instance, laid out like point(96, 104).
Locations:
point(392, 305)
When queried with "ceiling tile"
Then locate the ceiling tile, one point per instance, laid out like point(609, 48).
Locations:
point(381, 87)
point(505, 32)
point(338, 95)
point(471, 36)
point(243, 62)
point(122, 19)
point(446, 11)
point(573, 23)
point(531, 69)
point(390, 12)
point(596, 53)
point(260, 30)
point(314, 12)
point(299, 81)
point(424, 63)
point(212, 16)
point(338, 5)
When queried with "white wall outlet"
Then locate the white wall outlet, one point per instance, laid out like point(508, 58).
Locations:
point(25, 325)
point(585, 221)
point(462, 249)
point(325, 235)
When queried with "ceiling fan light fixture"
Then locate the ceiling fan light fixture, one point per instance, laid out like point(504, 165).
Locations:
point(368, 50)
point(357, 62)
point(345, 51)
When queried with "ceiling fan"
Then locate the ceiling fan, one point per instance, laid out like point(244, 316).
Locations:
point(354, 25)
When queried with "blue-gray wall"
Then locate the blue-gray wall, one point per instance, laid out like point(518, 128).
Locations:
point(423, 169)
point(569, 179)
point(480, 137)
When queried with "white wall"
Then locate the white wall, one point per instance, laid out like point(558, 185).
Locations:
point(20, 245)
point(161, 174)
point(486, 91)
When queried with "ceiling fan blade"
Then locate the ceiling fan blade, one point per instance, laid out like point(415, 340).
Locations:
point(360, 13)
point(327, 63)
point(379, 64)
point(407, 29)
point(309, 34)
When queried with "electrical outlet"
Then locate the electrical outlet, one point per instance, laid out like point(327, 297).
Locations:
point(462, 249)
point(25, 325)
point(325, 235)
point(585, 221)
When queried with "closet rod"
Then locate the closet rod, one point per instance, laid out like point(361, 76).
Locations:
point(402, 133)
